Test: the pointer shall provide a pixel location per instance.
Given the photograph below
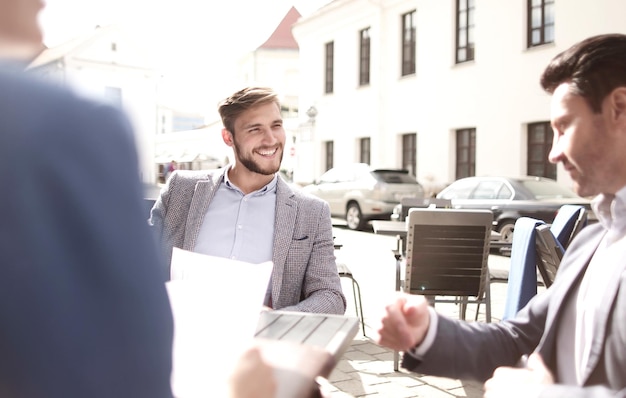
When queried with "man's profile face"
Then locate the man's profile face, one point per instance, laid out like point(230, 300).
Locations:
point(259, 139)
point(583, 142)
point(19, 21)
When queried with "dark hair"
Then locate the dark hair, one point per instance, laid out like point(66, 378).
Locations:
point(594, 67)
point(249, 97)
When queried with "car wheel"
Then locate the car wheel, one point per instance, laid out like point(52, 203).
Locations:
point(354, 217)
point(506, 231)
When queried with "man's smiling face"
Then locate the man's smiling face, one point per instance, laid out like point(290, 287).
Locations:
point(259, 139)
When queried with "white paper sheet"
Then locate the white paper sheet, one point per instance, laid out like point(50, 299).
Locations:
point(216, 304)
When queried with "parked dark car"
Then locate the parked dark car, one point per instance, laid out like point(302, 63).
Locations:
point(359, 193)
point(512, 197)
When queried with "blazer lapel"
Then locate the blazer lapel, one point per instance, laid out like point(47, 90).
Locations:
point(602, 317)
point(204, 192)
point(286, 211)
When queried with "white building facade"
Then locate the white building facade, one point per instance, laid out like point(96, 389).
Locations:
point(106, 64)
point(444, 88)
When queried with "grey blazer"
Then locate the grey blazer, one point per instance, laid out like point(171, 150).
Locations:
point(474, 350)
point(304, 277)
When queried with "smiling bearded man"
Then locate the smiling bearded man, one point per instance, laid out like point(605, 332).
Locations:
point(247, 212)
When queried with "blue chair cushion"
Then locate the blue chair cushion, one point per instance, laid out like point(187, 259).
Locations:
point(522, 285)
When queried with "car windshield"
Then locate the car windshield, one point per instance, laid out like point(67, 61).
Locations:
point(547, 189)
point(394, 177)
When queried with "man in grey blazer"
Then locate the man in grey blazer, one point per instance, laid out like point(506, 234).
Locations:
point(246, 212)
point(574, 333)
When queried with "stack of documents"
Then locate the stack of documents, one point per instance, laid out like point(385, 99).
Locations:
point(216, 304)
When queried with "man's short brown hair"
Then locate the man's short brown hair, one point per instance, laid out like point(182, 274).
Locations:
point(232, 107)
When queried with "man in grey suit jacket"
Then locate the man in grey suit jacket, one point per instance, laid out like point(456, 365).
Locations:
point(247, 212)
point(574, 333)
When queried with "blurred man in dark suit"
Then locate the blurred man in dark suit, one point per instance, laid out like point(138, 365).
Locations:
point(83, 308)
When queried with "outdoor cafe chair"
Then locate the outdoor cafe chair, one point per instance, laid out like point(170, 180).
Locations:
point(345, 272)
point(551, 242)
point(522, 282)
point(538, 247)
point(447, 253)
point(569, 220)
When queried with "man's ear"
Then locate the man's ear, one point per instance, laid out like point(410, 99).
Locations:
point(618, 105)
point(227, 137)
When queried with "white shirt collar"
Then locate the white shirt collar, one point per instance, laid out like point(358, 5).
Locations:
point(611, 210)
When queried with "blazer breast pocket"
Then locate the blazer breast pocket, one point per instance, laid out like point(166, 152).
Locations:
point(300, 246)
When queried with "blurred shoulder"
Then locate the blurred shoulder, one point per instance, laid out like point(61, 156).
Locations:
point(57, 111)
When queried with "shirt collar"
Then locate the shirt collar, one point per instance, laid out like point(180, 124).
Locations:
point(270, 187)
point(611, 209)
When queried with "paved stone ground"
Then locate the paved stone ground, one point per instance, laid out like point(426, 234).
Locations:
point(366, 369)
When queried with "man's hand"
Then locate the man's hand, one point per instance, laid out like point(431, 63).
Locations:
point(519, 382)
point(252, 377)
point(405, 322)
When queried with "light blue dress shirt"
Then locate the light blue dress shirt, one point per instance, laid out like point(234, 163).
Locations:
point(239, 226)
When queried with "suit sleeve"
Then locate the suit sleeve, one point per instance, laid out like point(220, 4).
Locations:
point(473, 350)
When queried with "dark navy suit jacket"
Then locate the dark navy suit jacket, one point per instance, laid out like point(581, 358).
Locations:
point(83, 307)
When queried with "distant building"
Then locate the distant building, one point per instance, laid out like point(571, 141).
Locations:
point(196, 149)
point(275, 63)
point(172, 120)
point(445, 89)
point(106, 64)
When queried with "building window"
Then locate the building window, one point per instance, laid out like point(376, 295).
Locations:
point(464, 30)
point(329, 150)
point(409, 153)
point(540, 22)
point(539, 143)
point(364, 57)
point(465, 153)
point(408, 43)
point(330, 56)
point(364, 150)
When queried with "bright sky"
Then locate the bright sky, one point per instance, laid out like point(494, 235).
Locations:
point(187, 38)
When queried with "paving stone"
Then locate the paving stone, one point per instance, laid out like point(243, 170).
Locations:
point(366, 369)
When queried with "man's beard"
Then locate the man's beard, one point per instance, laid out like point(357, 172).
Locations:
point(254, 167)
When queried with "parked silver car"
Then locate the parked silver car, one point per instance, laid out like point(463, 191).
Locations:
point(359, 193)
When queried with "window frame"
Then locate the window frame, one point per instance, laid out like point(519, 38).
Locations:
point(534, 160)
point(329, 154)
point(364, 56)
point(329, 67)
point(465, 167)
point(464, 30)
point(365, 150)
point(409, 43)
point(545, 28)
point(409, 153)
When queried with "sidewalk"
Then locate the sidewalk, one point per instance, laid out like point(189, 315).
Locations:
point(366, 369)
